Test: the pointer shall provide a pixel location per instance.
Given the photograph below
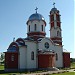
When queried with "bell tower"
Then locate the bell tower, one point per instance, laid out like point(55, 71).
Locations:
point(55, 26)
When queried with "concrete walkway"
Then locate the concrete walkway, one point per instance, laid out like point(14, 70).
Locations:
point(48, 72)
point(71, 70)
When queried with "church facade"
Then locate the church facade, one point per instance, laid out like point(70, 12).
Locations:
point(36, 50)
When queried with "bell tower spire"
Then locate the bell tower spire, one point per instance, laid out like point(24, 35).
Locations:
point(55, 26)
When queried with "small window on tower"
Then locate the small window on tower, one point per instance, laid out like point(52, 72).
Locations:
point(29, 28)
point(35, 27)
point(52, 17)
point(32, 55)
point(58, 33)
point(58, 18)
point(42, 27)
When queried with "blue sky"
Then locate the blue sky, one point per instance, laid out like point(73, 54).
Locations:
point(15, 13)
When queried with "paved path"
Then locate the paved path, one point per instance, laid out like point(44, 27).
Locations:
point(44, 73)
point(71, 70)
point(50, 72)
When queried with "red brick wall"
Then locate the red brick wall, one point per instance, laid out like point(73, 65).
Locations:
point(9, 64)
point(45, 61)
point(66, 59)
point(52, 24)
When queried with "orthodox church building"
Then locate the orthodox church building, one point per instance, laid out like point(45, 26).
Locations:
point(36, 50)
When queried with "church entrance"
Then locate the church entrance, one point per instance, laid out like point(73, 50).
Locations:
point(46, 60)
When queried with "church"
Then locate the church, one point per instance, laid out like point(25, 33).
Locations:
point(36, 50)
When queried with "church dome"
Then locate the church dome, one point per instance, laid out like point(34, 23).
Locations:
point(54, 9)
point(36, 16)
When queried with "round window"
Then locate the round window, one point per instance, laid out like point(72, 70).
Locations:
point(47, 45)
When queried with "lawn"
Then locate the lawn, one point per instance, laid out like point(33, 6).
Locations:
point(1, 67)
point(73, 65)
point(5, 74)
point(11, 74)
point(68, 73)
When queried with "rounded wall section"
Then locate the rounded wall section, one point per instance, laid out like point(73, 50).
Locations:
point(36, 29)
point(40, 26)
point(36, 26)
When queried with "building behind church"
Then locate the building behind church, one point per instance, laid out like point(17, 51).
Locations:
point(36, 50)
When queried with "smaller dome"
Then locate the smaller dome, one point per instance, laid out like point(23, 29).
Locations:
point(54, 9)
point(36, 16)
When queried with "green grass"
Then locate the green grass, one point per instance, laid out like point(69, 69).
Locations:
point(67, 73)
point(10, 74)
point(17, 73)
point(73, 65)
point(1, 67)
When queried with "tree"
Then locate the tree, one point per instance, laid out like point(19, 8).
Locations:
point(2, 56)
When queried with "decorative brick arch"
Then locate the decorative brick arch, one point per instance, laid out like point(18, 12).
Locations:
point(20, 41)
point(14, 44)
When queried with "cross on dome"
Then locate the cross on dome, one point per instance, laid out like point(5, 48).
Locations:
point(54, 4)
point(36, 9)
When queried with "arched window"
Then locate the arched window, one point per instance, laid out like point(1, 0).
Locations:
point(58, 33)
point(12, 57)
point(58, 17)
point(32, 55)
point(52, 17)
point(12, 49)
point(35, 27)
point(42, 27)
point(29, 28)
point(56, 56)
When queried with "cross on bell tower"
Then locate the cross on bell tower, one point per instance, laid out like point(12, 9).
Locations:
point(54, 4)
point(36, 9)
